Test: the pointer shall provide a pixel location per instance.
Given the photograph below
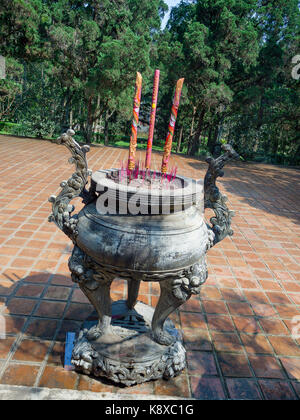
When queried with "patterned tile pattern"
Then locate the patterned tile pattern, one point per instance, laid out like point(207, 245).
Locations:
point(238, 332)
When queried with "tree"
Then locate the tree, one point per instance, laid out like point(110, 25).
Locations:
point(265, 110)
point(215, 36)
point(10, 89)
point(98, 49)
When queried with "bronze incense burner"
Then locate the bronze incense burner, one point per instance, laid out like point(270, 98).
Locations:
point(132, 342)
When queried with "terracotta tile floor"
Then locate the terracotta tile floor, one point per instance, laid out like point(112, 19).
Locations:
point(238, 333)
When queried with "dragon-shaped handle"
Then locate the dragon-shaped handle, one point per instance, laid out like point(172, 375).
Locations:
point(74, 187)
point(221, 223)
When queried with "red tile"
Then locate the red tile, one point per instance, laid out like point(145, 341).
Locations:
point(22, 375)
point(207, 388)
point(246, 324)
point(14, 324)
point(57, 377)
point(36, 277)
point(279, 390)
point(192, 320)
point(87, 383)
point(248, 284)
point(270, 285)
point(196, 339)
point(296, 386)
point(214, 307)
point(287, 311)
point(256, 297)
point(266, 367)
point(274, 326)
point(20, 306)
point(200, 363)
point(57, 293)
point(33, 351)
point(239, 308)
point(68, 326)
point(192, 305)
point(295, 298)
point(5, 346)
point(41, 328)
point(280, 298)
point(22, 262)
point(285, 346)
point(234, 365)
point(256, 343)
point(220, 323)
point(58, 279)
point(30, 290)
point(292, 367)
point(226, 342)
point(210, 292)
point(177, 386)
point(49, 309)
point(79, 297)
point(291, 287)
point(264, 310)
point(232, 295)
point(243, 389)
point(78, 311)
point(57, 354)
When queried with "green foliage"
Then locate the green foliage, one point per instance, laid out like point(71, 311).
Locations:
point(10, 88)
point(37, 127)
point(72, 62)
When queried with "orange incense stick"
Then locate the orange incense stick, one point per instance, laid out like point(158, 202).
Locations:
point(152, 119)
point(169, 140)
point(135, 121)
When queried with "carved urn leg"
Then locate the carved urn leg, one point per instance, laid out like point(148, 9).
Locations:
point(133, 292)
point(100, 299)
point(95, 283)
point(167, 304)
point(175, 292)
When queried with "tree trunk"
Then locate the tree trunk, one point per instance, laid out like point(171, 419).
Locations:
point(179, 140)
point(216, 148)
point(190, 139)
point(96, 122)
point(193, 122)
point(196, 139)
point(210, 141)
point(106, 132)
point(106, 125)
point(89, 123)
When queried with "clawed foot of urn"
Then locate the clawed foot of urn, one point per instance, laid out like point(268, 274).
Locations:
point(94, 333)
point(83, 355)
point(163, 337)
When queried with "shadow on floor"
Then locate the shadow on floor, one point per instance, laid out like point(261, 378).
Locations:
point(273, 189)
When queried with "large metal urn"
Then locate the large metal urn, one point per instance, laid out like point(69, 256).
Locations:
point(137, 234)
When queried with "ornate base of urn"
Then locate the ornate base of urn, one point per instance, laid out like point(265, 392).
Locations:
point(165, 241)
point(131, 342)
point(126, 353)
